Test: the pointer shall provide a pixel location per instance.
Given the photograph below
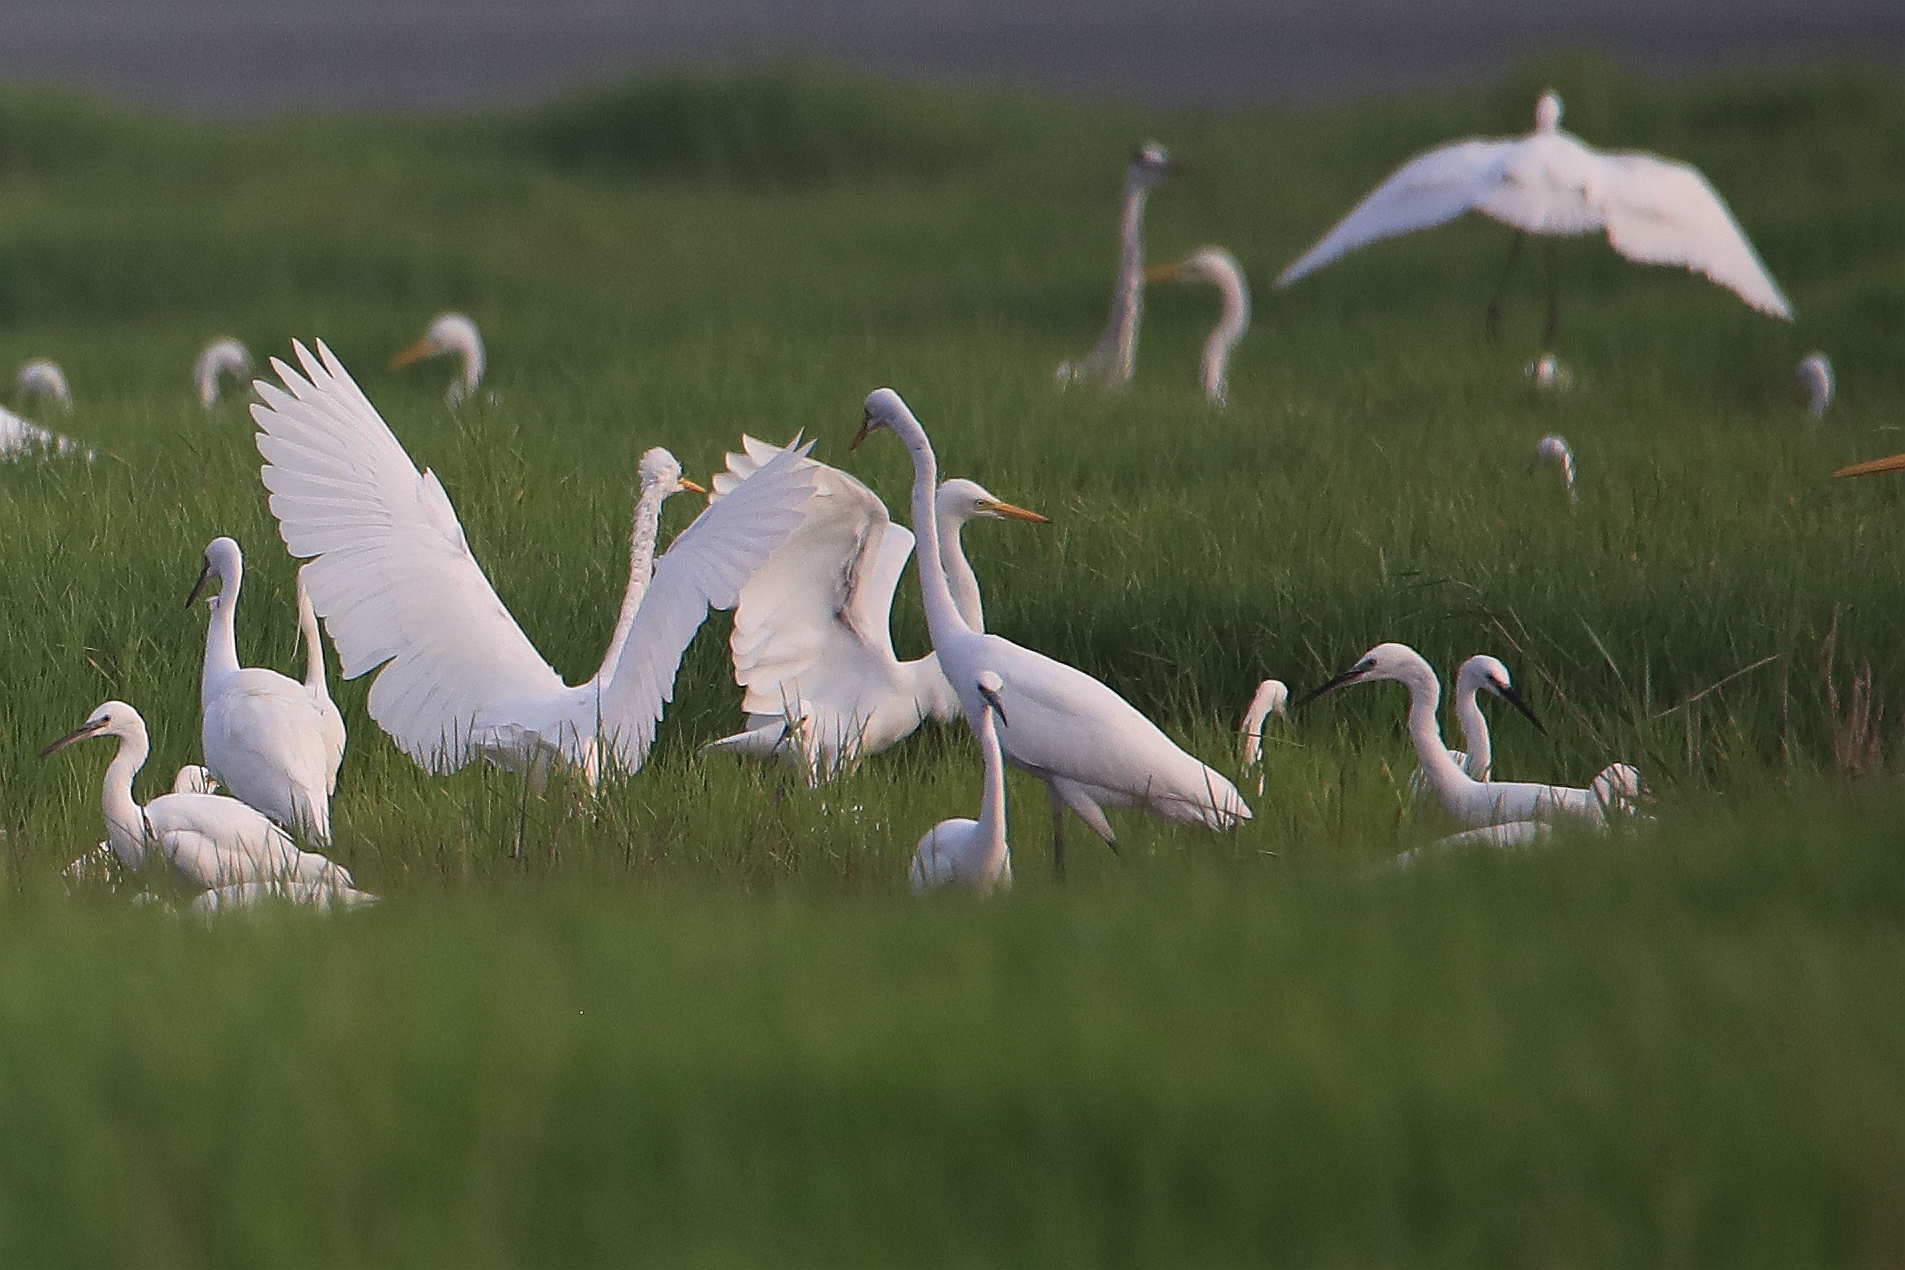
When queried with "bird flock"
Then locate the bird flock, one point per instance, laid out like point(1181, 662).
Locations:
point(809, 560)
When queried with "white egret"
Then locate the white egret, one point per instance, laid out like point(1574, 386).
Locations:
point(1271, 698)
point(392, 575)
point(1480, 673)
point(812, 641)
point(1471, 803)
point(1556, 450)
point(24, 439)
point(252, 895)
point(208, 840)
point(265, 738)
point(450, 333)
point(1089, 746)
point(1114, 359)
point(972, 853)
point(1547, 373)
point(1653, 210)
point(221, 357)
point(194, 779)
point(1815, 378)
point(1219, 268)
point(43, 378)
point(317, 689)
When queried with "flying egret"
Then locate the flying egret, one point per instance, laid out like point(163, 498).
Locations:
point(317, 689)
point(264, 736)
point(812, 641)
point(43, 378)
point(221, 357)
point(450, 333)
point(1815, 377)
point(1219, 268)
point(972, 852)
point(1089, 746)
point(1654, 210)
point(393, 577)
point(1112, 362)
point(208, 840)
point(1556, 450)
point(1471, 803)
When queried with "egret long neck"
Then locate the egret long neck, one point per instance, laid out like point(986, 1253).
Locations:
point(1468, 712)
point(641, 568)
point(992, 802)
point(960, 578)
point(1425, 694)
point(1230, 328)
point(125, 821)
point(313, 646)
point(1127, 300)
point(942, 614)
point(221, 634)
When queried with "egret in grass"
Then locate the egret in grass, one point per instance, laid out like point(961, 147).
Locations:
point(221, 357)
point(1271, 698)
point(24, 439)
point(194, 779)
point(972, 853)
point(264, 736)
point(1219, 268)
point(1469, 802)
point(331, 718)
point(207, 840)
point(1112, 362)
point(1653, 210)
point(392, 575)
point(1815, 379)
point(44, 379)
point(812, 642)
point(1555, 449)
point(1480, 673)
point(450, 334)
point(252, 895)
point(1089, 746)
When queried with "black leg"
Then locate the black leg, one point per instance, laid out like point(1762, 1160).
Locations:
point(1554, 309)
point(1058, 839)
point(1493, 318)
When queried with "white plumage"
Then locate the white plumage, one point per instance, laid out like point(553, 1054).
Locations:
point(1115, 358)
point(220, 358)
point(1555, 449)
point(972, 853)
point(1815, 377)
point(331, 718)
point(1271, 698)
point(252, 895)
point(1653, 210)
point(392, 576)
point(24, 439)
point(450, 334)
point(43, 378)
point(1219, 268)
point(1480, 673)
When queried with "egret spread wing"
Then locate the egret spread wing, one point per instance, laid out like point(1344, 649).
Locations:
point(1428, 190)
point(705, 567)
point(390, 571)
point(1665, 213)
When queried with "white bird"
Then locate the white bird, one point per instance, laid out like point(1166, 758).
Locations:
point(317, 689)
point(265, 739)
point(24, 439)
point(1815, 377)
point(43, 377)
point(1547, 373)
point(208, 840)
point(221, 357)
point(1219, 268)
point(194, 779)
point(450, 333)
point(1471, 803)
point(1112, 362)
point(1271, 698)
point(1653, 210)
point(812, 642)
point(392, 575)
point(1089, 746)
point(1556, 450)
point(1480, 673)
point(972, 853)
point(252, 895)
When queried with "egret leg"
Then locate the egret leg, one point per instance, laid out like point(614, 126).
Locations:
point(1554, 309)
point(1494, 316)
point(1058, 836)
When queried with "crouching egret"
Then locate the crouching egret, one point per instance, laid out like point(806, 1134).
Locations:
point(1471, 803)
point(43, 378)
point(1653, 210)
point(1815, 378)
point(1554, 449)
point(450, 334)
point(1219, 268)
point(1089, 746)
point(208, 840)
point(1112, 362)
point(392, 575)
point(972, 852)
point(812, 641)
point(221, 357)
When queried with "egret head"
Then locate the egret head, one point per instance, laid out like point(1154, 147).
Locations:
point(222, 557)
point(660, 471)
point(1397, 662)
point(1548, 112)
point(1488, 674)
point(963, 500)
point(1815, 378)
point(1207, 264)
point(884, 409)
point(991, 688)
point(1151, 164)
point(114, 718)
point(449, 333)
point(221, 357)
point(44, 378)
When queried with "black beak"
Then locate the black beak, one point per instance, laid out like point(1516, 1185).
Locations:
point(1515, 699)
point(1348, 677)
point(79, 733)
point(866, 430)
point(198, 586)
point(992, 699)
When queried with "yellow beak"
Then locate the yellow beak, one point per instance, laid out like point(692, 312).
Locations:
point(415, 353)
point(690, 485)
point(1164, 272)
point(1010, 512)
point(1873, 467)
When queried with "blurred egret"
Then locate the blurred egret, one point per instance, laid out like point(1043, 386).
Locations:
point(1271, 698)
point(972, 853)
point(1556, 450)
point(1547, 372)
point(1815, 377)
point(319, 691)
point(252, 895)
point(1114, 359)
point(44, 378)
point(450, 333)
point(220, 358)
point(1219, 268)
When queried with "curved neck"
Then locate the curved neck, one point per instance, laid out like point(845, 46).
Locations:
point(1425, 694)
point(125, 821)
point(313, 644)
point(221, 633)
point(641, 567)
point(1468, 712)
point(942, 614)
point(992, 802)
point(1230, 328)
point(960, 579)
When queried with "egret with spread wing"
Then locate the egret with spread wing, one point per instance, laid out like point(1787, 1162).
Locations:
point(393, 578)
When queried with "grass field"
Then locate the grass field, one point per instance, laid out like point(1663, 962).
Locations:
point(701, 1023)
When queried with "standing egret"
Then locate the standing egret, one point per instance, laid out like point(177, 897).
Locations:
point(43, 378)
point(1114, 359)
point(450, 333)
point(221, 357)
point(972, 853)
point(812, 640)
point(1556, 450)
point(317, 689)
point(208, 840)
point(264, 736)
point(393, 577)
point(1654, 210)
point(1089, 746)
point(1219, 268)
point(1815, 378)
point(1471, 803)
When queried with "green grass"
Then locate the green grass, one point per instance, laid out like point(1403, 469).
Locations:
point(700, 1022)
